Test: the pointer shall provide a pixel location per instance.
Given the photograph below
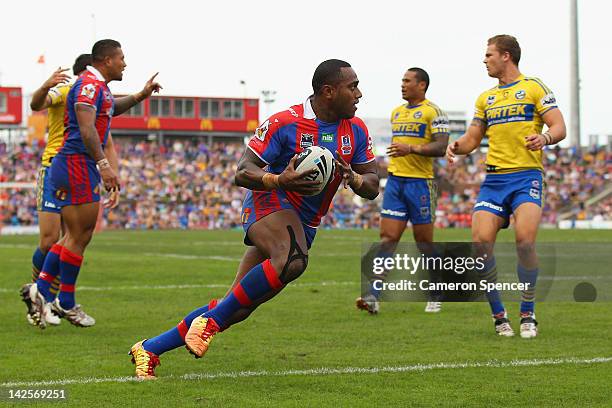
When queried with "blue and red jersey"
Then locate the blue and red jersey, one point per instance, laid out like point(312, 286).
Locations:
point(289, 132)
point(89, 89)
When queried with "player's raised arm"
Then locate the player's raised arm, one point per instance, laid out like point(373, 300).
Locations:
point(40, 98)
point(124, 103)
point(250, 174)
point(468, 142)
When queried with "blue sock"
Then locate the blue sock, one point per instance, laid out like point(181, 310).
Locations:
point(70, 264)
point(257, 283)
point(528, 296)
point(175, 337)
point(490, 276)
point(49, 272)
point(38, 260)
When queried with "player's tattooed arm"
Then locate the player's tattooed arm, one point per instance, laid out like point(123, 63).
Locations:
point(437, 148)
point(468, 142)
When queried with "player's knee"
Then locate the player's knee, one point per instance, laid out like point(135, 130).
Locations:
point(388, 237)
point(293, 269)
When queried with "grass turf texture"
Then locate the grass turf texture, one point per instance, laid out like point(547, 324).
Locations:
point(308, 326)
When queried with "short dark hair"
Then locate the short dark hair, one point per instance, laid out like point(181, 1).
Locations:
point(327, 73)
point(509, 44)
point(103, 49)
point(81, 63)
point(421, 76)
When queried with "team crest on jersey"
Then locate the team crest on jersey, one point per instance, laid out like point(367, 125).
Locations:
point(490, 99)
point(418, 115)
point(346, 145)
point(61, 195)
point(520, 94)
point(306, 140)
point(107, 96)
point(260, 132)
point(534, 193)
point(424, 211)
point(535, 184)
point(245, 215)
point(88, 91)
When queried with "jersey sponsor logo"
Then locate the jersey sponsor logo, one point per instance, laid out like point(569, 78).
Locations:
point(260, 132)
point(488, 205)
point(490, 99)
point(535, 184)
point(510, 113)
point(306, 140)
point(548, 100)
point(293, 112)
point(520, 94)
point(327, 137)
point(441, 123)
point(418, 115)
point(393, 212)
point(88, 91)
point(409, 129)
point(48, 204)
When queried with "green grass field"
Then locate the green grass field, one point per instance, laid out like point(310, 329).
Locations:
point(306, 347)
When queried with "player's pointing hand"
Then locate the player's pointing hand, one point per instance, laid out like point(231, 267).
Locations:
point(150, 87)
point(59, 76)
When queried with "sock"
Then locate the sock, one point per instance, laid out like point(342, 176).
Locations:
point(50, 272)
point(489, 274)
point(70, 264)
point(259, 282)
point(38, 259)
point(175, 337)
point(527, 296)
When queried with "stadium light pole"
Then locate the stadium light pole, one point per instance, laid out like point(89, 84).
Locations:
point(574, 77)
point(268, 99)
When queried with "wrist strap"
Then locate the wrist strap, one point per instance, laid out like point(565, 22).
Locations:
point(103, 163)
point(270, 181)
point(357, 181)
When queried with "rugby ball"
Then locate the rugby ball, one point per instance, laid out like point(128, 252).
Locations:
point(319, 158)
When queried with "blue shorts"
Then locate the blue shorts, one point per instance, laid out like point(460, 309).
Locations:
point(45, 199)
point(258, 204)
point(408, 198)
point(75, 179)
point(501, 194)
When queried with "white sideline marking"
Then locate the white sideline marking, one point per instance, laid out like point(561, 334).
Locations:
point(323, 371)
point(187, 286)
point(185, 256)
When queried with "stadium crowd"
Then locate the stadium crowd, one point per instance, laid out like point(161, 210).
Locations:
point(189, 185)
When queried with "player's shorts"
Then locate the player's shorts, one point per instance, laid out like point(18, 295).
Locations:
point(45, 199)
point(75, 179)
point(258, 204)
point(501, 194)
point(408, 198)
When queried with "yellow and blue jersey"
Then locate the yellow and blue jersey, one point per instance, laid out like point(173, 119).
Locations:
point(416, 125)
point(511, 112)
point(55, 117)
